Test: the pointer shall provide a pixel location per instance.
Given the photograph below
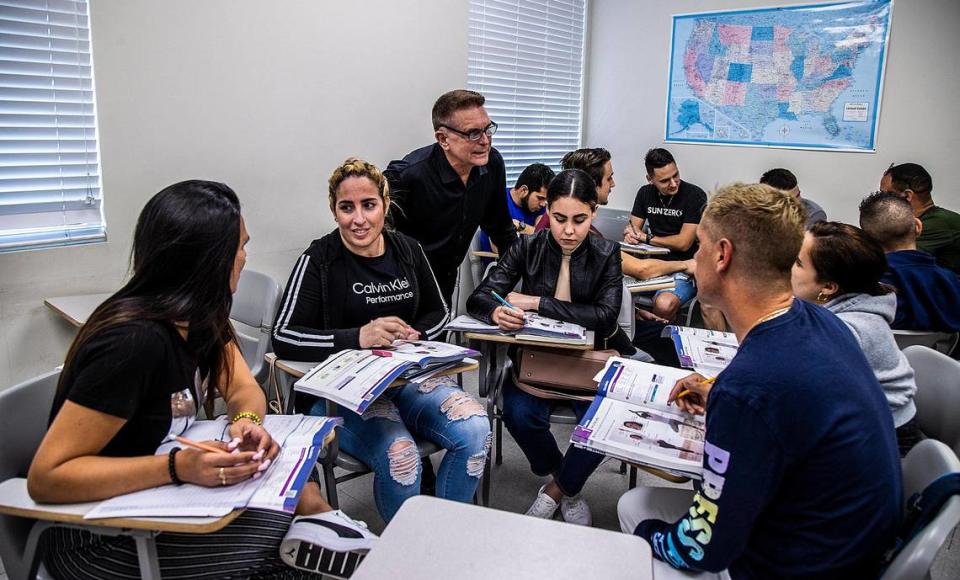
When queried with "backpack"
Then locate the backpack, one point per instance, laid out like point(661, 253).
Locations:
point(922, 508)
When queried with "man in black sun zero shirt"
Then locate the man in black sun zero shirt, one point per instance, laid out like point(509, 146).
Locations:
point(672, 209)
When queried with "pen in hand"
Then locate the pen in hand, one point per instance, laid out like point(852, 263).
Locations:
point(200, 446)
point(503, 301)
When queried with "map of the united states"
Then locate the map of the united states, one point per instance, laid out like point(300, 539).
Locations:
point(792, 77)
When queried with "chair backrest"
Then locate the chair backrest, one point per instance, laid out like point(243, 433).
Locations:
point(627, 318)
point(927, 461)
point(477, 267)
point(254, 305)
point(941, 341)
point(24, 409)
point(611, 222)
point(938, 394)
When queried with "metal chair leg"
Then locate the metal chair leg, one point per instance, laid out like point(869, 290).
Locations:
point(499, 423)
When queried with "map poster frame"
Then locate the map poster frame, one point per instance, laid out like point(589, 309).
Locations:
point(842, 113)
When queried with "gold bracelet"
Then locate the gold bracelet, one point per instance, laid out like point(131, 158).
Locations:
point(247, 415)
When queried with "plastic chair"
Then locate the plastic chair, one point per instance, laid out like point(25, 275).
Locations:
point(332, 457)
point(940, 341)
point(255, 304)
point(24, 409)
point(927, 461)
point(938, 394)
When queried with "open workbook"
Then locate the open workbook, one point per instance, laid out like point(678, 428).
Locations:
point(650, 284)
point(706, 351)
point(355, 378)
point(300, 439)
point(629, 419)
point(536, 328)
point(642, 248)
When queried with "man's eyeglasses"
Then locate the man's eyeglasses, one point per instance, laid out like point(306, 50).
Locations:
point(474, 134)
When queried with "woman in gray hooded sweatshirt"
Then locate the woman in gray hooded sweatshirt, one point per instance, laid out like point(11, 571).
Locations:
point(839, 267)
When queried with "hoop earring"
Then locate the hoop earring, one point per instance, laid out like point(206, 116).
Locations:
point(821, 298)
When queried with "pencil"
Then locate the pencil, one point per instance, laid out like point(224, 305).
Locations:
point(200, 446)
point(686, 392)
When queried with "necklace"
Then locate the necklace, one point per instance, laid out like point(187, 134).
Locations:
point(775, 313)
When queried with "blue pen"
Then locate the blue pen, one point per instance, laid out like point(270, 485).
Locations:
point(502, 301)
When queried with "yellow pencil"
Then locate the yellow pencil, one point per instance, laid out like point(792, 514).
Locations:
point(686, 392)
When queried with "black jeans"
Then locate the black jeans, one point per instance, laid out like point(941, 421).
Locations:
point(528, 420)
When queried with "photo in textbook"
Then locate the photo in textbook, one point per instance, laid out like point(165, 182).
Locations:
point(629, 419)
point(706, 351)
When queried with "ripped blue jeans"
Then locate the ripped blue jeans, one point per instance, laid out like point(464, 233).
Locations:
point(438, 410)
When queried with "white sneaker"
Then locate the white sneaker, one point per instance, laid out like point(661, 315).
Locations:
point(543, 507)
point(329, 543)
point(575, 510)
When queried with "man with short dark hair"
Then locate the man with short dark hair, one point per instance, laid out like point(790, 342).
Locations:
point(928, 295)
point(526, 201)
point(672, 209)
point(443, 191)
point(941, 227)
point(801, 473)
point(786, 181)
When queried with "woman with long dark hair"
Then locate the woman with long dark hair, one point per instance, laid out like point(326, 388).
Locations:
point(135, 376)
point(840, 267)
point(568, 275)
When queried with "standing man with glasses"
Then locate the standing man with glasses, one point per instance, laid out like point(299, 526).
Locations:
point(444, 191)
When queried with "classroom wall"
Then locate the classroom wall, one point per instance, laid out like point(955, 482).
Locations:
point(266, 96)
point(626, 100)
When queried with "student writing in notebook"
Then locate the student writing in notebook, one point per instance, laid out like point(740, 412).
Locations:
point(363, 286)
point(135, 376)
point(598, 164)
point(568, 275)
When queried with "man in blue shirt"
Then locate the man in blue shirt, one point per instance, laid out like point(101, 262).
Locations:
point(526, 201)
point(928, 295)
point(801, 474)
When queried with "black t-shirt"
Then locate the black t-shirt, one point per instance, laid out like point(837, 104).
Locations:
point(139, 371)
point(376, 287)
point(666, 214)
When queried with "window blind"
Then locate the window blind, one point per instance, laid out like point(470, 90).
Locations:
point(526, 58)
point(49, 167)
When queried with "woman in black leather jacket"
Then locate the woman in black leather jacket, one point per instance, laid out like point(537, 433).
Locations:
point(568, 275)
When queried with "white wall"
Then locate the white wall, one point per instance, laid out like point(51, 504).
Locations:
point(919, 120)
point(267, 97)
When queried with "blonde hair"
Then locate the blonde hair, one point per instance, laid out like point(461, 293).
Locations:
point(355, 167)
point(764, 224)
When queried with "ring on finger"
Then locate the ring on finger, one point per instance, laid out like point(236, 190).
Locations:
point(223, 477)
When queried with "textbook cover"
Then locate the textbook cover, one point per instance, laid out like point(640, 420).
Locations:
point(629, 419)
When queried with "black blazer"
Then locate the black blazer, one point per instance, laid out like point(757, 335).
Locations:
point(596, 282)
